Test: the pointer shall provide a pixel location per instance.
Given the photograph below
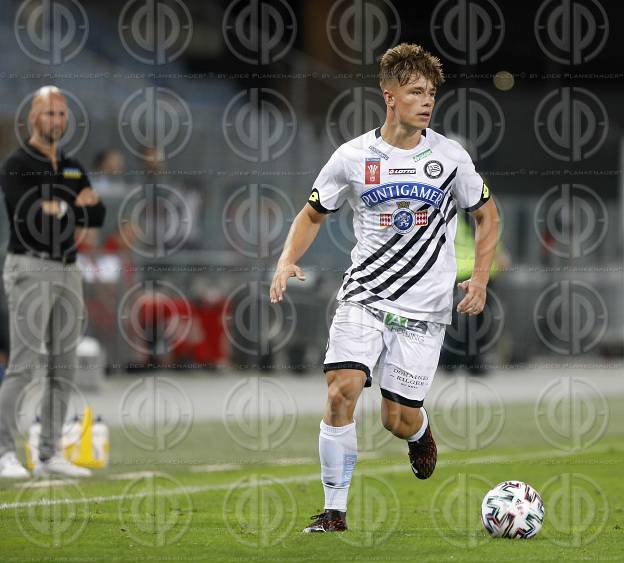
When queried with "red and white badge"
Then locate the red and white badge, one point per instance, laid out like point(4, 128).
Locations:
point(372, 172)
point(421, 218)
point(385, 219)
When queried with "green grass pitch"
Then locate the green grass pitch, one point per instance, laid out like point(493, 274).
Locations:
point(210, 498)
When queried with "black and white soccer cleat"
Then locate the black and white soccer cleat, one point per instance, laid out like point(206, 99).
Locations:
point(327, 521)
point(423, 455)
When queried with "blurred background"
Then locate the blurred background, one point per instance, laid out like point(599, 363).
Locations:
point(204, 124)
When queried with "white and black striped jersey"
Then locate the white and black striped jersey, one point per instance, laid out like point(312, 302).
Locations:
point(404, 220)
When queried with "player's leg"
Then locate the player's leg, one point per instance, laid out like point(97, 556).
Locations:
point(65, 328)
point(338, 441)
point(338, 447)
point(401, 420)
point(25, 342)
point(412, 424)
point(355, 342)
point(406, 373)
point(344, 387)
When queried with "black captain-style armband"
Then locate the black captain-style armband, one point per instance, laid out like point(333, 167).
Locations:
point(315, 201)
point(485, 196)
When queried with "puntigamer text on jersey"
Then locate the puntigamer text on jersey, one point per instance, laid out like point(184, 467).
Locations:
point(406, 190)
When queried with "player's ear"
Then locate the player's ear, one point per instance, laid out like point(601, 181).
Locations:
point(388, 97)
point(32, 117)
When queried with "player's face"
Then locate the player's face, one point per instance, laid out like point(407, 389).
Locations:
point(414, 101)
point(50, 118)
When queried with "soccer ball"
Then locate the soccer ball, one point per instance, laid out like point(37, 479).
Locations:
point(513, 510)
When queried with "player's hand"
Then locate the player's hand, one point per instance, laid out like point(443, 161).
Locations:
point(474, 300)
point(52, 207)
point(278, 285)
point(86, 198)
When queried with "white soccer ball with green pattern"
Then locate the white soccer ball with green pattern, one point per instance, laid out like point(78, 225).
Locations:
point(512, 510)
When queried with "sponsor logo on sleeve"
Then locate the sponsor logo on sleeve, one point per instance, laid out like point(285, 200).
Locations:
point(433, 169)
point(372, 173)
point(486, 191)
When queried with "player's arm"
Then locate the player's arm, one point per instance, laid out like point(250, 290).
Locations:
point(328, 194)
point(90, 211)
point(486, 238)
point(302, 233)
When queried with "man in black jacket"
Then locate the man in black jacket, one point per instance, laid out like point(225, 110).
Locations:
point(48, 196)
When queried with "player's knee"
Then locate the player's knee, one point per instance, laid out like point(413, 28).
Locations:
point(338, 395)
point(400, 421)
point(343, 391)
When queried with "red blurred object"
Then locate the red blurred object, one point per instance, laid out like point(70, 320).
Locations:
point(203, 342)
point(206, 342)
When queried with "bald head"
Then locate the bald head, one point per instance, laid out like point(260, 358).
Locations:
point(48, 114)
point(45, 94)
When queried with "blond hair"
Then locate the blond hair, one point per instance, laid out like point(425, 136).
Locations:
point(407, 59)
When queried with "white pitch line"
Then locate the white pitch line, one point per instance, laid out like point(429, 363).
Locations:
point(215, 467)
point(131, 475)
point(248, 482)
point(191, 490)
point(293, 461)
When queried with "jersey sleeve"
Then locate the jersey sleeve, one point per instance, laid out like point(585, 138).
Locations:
point(91, 216)
point(471, 192)
point(331, 187)
point(84, 179)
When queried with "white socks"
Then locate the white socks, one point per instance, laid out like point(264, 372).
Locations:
point(338, 453)
point(423, 427)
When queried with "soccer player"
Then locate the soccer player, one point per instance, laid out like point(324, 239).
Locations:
point(404, 183)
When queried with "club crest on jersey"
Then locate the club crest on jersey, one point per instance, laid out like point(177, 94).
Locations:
point(433, 169)
point(416, 191)
point(404, 220)
point(372, 171)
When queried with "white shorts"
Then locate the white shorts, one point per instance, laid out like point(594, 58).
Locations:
point(407, 350)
